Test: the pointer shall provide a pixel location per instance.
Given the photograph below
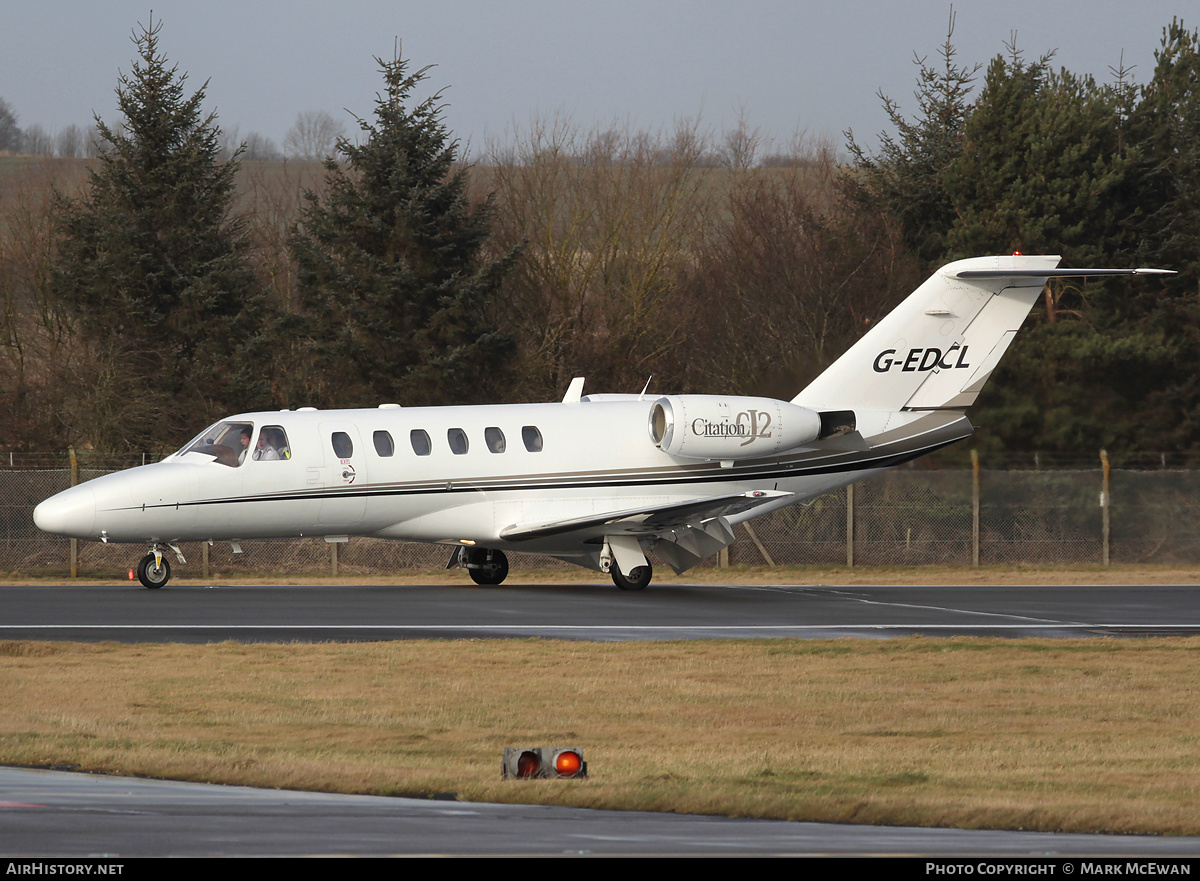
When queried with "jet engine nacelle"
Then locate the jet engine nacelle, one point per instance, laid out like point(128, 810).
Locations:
point(728, 428)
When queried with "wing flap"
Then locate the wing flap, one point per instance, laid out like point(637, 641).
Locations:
point(649, 521)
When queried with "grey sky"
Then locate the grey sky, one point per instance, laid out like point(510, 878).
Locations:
point(790, 65)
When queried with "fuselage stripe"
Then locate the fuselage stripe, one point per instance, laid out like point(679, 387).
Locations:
point(775, 472)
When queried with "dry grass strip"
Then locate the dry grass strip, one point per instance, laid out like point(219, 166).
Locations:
point(1082, 735)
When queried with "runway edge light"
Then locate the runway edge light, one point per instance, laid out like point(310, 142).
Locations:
point(543, 763)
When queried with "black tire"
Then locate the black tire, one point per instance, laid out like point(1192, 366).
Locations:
point(487, 568)
point(152, 575)
point(637, 579)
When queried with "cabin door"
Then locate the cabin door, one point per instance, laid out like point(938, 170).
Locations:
point(343, 475)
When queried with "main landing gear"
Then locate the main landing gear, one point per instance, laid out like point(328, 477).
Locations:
point(624, 552)
point(489, 567)
point(637, 578)
point(486, 567)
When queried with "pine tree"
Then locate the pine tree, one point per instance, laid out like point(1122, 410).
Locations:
point(1166, 122)
point(905, 180)
point(396, 294)
point(151, 268)
point(1049, 166)
point(1042, 169)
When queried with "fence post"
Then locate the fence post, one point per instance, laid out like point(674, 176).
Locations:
point(758, 544)
point(1104, 500)
point(204, 559)
point(850, 525)
point(74, 542)
point(975, 508)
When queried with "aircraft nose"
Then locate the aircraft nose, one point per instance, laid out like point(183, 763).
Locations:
point(72, 513)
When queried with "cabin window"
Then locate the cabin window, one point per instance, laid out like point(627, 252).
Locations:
point(227, 442)
point(494, 438)
point(419, 438)
point(272, 445)
point(532, 438)
point(383, 443)
point(457, 438)
point(343, 447)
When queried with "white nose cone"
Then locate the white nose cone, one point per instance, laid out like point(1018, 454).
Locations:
point(71, 513)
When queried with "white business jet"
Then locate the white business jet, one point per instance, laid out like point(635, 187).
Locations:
point(596, 480)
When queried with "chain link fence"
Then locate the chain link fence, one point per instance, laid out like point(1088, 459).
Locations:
point(905, 517)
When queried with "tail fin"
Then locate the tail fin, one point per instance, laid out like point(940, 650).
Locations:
point(936, 349)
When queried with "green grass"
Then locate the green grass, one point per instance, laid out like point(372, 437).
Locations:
point(1082, 735)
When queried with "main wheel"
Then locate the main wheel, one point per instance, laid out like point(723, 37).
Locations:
point(151, 574)
point(636, 580)
point(487, 568)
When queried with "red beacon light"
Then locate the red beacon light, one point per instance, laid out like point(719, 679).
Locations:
point(567, 763)
point(543, 763)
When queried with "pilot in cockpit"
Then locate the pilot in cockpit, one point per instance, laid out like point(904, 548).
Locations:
point(264, 450)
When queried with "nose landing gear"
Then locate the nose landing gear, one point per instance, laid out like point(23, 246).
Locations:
point(153, 570)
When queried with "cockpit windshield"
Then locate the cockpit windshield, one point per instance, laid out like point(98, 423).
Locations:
point(227, 442)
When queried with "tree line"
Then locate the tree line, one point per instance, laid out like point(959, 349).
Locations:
point(168, 281)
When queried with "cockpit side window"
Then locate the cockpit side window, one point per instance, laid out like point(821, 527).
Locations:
point(227, 442)
point(272, 445)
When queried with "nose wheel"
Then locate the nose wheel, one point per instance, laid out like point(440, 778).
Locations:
point(153, 571)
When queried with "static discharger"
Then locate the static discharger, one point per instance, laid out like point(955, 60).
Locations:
point(543, 763)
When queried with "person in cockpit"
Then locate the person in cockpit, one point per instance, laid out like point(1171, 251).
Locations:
point(264, 450)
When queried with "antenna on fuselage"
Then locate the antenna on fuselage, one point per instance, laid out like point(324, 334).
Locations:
point(642, 396)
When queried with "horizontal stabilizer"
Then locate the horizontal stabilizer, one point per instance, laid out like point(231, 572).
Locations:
point(1054, 273)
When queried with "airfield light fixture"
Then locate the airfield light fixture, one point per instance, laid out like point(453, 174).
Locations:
point(543, 763)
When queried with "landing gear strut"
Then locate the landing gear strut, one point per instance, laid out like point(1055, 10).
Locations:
point(153, 570)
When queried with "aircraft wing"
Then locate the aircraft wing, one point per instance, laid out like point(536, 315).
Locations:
point(653, 520)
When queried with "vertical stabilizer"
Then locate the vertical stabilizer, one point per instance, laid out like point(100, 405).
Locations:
point(938, 347)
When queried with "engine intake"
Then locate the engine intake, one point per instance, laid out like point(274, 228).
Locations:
point(727, 428)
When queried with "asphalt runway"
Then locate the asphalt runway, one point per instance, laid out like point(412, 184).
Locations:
point(50, 813)
point(62, 814)
point(287, 613)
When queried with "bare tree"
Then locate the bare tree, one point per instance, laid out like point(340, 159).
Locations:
point(37, 141)
point(69, 142)
point(91, 142)
point(10, 134)
point(742, 144)
point(611, 216)
point(230, 143)
point(314, 136)
point(260, 148)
